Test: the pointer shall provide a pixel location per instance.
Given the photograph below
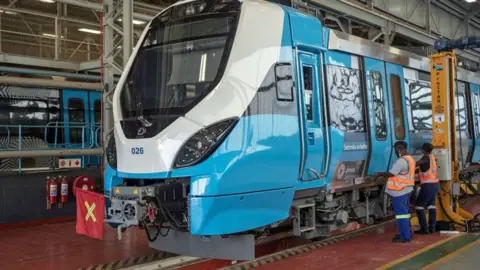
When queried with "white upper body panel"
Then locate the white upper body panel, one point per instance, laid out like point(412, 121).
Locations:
point(255, 49)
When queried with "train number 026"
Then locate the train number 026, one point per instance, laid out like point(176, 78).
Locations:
point(137, 150)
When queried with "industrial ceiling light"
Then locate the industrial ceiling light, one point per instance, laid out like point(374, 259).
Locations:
point(92, 31)
point(47, 1)
point(137, 22)
point(470, 1)
point(50, 35)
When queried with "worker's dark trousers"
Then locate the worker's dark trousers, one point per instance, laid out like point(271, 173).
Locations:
point(426, 201)
point(402, 214)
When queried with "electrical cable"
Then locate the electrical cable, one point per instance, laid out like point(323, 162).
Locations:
point(148, 234)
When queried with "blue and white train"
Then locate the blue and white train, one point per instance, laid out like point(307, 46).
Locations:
point(236, 119)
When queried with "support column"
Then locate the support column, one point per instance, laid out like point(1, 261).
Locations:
point(127, 30)
point(468, 16)
point(1, 49)
point(57, 31)
point(427, 16)
point(370, 4)
point(108, 68)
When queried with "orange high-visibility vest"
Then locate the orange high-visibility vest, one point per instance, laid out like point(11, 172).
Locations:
point(430, 176)
point(401, 181)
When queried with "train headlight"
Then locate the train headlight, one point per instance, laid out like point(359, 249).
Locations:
point(203, 143)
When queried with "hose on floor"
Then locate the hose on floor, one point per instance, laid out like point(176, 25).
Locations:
point(446, 213)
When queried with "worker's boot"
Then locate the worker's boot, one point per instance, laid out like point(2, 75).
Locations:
point(432, 220)
point(422, 221)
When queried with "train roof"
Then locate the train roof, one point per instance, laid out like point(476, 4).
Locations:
point(341, 41)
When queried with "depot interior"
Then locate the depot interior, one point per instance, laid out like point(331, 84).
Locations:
point(60, 61)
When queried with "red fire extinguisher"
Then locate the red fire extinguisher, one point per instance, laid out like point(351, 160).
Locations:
point(51, 189)
point(63, 191)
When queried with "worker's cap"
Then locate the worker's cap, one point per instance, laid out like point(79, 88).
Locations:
point(402, 144)
point(427, 147)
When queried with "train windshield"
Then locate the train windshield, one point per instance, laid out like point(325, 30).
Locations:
point(178, 64)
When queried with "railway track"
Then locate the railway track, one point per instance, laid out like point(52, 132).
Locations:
point(165, 261)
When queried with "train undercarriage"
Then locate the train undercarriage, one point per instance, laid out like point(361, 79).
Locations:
point(162, 210)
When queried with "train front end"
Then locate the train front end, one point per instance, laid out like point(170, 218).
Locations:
point(181, 142)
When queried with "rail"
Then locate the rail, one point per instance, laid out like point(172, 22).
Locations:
point(38, 147)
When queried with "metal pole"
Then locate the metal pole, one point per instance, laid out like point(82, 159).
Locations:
point(127, 30)
point(57, 40)
point(51, 153)
point(109, 69)
point(50, 83)
point(427, 17)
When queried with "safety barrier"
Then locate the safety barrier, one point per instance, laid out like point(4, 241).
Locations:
point(37, 147)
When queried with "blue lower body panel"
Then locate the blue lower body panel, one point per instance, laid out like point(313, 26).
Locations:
point(240, 212)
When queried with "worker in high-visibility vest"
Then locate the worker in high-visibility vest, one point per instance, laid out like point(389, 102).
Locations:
point(430, 186)
point(401, 179)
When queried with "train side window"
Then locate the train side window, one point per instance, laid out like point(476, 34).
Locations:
point(460, 108)
point(421, 106)
point(97, 111)
point(284, 82)
point(399, 120)
point(308, 90)
point(476, 112)
point(379, 114)
point(76, 115)
point(345, 99)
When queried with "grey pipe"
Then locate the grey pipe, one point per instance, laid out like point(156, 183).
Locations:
point(50, 73)
point(51, 153)
point(50, 83)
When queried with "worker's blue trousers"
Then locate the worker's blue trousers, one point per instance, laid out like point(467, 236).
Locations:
point(426, 200)
point(401, 207)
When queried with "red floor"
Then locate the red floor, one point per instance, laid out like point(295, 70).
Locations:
point(364, 252)
point(57, 246)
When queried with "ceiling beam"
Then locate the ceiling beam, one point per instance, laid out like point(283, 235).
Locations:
point(98, 7)
point(378, 19)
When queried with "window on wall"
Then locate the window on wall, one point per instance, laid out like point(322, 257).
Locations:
point(308, 90)
point(284, 82)
point(76, 117)
point(97, 111)
point(345, 99)
point(378, 105)
point(421, 106)
point(399, 121)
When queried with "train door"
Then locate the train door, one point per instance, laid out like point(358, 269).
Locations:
point(95, 117)
point(475, 101)
point(313, 140)
point(378, 113)
point(76, 118)
point(396, 89)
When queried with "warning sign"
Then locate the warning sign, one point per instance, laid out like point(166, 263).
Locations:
point(69, 163)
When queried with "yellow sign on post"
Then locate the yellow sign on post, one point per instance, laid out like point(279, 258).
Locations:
point(440, 112)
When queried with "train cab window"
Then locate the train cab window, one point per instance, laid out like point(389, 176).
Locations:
point(97, 111)
point(399, 121)
point(284, 82)
point(308, 90)
point(76, 115)
point(378, 106)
